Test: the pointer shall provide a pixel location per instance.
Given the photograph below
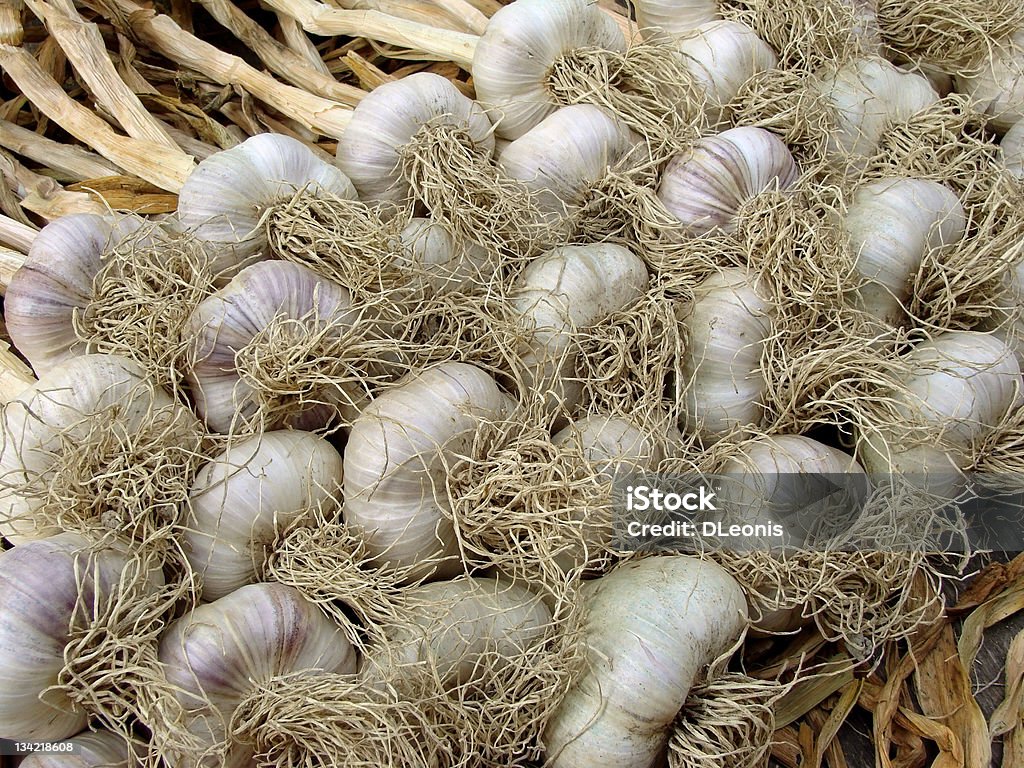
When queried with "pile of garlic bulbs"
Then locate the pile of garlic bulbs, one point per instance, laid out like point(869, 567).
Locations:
point(323, 469)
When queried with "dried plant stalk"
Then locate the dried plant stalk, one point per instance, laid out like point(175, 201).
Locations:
point(16, 235)
point(72, 162)
point(156, 164)
point(163, 35)
point(279, 58)
point(10, 262)
point(15, 376)
point(83, 44)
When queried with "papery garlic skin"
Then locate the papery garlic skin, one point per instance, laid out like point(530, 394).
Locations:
point(388, 119)
point(520, 45)
point(228, 193)
point(1011, 149)
point(563, 157)
point(1007, 322)
point(560, 293)
point(780, 478)
point(99, 749)
point(652, 626)
point(226, 322)
point(397, 459)
point(249, 493)
point(440, 265)
point(673, 17)
point(866, 97)
point(56, 281)
point(462, 629)
point(706, 186)
point(890, 226)
point(962, 385)
point(219, 653)
point(996, 83)
point(727, 325)
point(61, 404)
point(39, 591)
point(722, 56)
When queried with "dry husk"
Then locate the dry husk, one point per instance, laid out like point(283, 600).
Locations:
point(142, 298)
point(647, 87)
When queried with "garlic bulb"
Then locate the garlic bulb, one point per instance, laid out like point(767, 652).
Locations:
point(56, 281)
point(227, 195)
point(1007, 322)
point(521, 45)
point(61, 414)
point(673, 17)
point(565, 156)
point(789, 480)
point(245, 496)
point(611, 445)
point(652, 626)
point(387, 121)
point(727, 325)
point(722, 56)
point(461, 629)
point(890, 226)
point(440, 264)
point(218, 654)
point(706, 187)
point(92, 749)
point(1011, 149)
point(47, 592)
point(996, 82)
point(956, 389)
point(397, 459)
point(263, 339)
point(561, 293)
point(866, 97)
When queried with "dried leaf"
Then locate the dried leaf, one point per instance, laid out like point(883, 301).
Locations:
point(951, 751)
point(126, 193)
point(989, 613)
point(1008, 715)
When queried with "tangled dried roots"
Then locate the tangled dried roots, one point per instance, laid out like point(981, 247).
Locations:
point(142, 298)
point(949, 36)
point(648, 87)
point(460, 184)
point(111, 476)
point(532, 508)
point(727, 722)
point(111, 669)
point(807, 34)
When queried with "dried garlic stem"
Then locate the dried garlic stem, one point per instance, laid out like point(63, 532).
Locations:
point(15, 376)
point(321, 19)
point(163, 35)
point(153, 162)
point(68, 160)
point(17, 236)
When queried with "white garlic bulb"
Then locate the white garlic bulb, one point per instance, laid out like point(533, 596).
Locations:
point(248, 494)
point(226, 196)
point(91, 749)
point(522, 43)
point(561, 293)
point(563, 157)
point(296, 307)
point(47, 592)
point(890, 226)
point(612, 445)
point(727, 324)
point(398, 456)
point(957, 388)
point(56, 281)
point(219, 653)
point(706, 186)
point(722, 56)
point(1007, 322)
point(790, 480)
point(866, 97)
point(1011, 149)
point(55, 415)
point(441, 265)
point(996, 82)
point(463, 629)
point(673, 17)
point(387, 122)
